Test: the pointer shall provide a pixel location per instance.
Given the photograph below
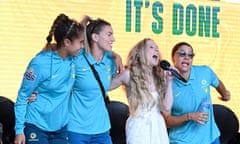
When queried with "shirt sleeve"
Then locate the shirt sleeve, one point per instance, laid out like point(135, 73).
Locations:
point(31, 80)
point(213, 77)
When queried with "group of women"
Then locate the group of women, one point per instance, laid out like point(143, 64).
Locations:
point(70, 105)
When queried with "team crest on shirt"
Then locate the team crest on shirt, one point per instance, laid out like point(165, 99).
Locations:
point(29, 75)
point(73, 71)
point(108, 68)
point(204, 83)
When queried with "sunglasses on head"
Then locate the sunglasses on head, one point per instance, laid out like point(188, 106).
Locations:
point(183, 54)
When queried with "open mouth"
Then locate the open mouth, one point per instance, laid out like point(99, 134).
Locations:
point(155, 57)
point(110, 45)
point(185, 64)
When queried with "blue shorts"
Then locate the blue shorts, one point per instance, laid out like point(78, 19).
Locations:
point(76, 138)
point(217, 141)
point(35, 135)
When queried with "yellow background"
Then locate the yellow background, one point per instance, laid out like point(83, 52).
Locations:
point(24, 25)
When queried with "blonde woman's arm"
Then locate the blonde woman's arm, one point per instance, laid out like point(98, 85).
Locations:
point(121, 79)
point(168, 99)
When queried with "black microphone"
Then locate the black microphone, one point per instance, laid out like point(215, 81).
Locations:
point(166, 66)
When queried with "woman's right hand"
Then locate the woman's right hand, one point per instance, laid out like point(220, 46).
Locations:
point(199, 117)
point(19, 139)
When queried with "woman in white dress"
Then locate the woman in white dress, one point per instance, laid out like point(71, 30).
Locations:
point(149, 93)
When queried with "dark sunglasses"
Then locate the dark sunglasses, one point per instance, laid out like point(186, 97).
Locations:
point(183, 54)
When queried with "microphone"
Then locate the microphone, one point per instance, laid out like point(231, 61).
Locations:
point(165, 65)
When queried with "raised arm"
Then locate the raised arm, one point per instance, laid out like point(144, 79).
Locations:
point(122, 78)
point(168, 99)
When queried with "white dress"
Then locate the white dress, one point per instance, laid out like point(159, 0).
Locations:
point(148, 127)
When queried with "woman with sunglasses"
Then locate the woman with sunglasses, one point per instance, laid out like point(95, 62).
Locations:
point(192, 120)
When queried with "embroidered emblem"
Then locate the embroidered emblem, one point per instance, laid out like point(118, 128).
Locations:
point(176, 95)
point(73, 71)
point(108, 69)
point(206, 90)
point(204, 82)
point(29, 75)
point(54, 75)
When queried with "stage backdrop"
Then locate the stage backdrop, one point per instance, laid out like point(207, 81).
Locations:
point(212, 27)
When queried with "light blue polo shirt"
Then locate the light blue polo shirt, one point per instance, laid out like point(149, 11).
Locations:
point(88, 112)
point(53, 78)
point(188, 97)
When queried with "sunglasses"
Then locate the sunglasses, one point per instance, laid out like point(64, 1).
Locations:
point(183, 54)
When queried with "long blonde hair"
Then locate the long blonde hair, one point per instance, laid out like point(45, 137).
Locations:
point(139, 68)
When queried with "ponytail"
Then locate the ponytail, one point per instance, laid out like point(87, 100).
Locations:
point(91, 26)
point(85, 20)
point(49, 46)
point(63, 27)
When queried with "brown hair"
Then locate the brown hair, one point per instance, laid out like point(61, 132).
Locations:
point(63, 27)
point(92, 26)
point(177, 46)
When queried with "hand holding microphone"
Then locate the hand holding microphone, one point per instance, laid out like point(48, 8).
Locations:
point(165, 65)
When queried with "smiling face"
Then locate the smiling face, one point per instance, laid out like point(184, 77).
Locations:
point(183, 58)
point(152, 53)
point(73, 47)
point(105, 38)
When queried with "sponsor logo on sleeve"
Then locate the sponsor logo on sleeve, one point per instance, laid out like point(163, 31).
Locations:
point(29, 75)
